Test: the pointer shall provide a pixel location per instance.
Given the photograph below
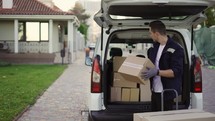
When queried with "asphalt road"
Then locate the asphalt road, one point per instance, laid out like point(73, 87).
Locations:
point(208, 89)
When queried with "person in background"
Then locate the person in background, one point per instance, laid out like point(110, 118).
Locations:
point(167, 57)
point(87, 56)
point(87, 52)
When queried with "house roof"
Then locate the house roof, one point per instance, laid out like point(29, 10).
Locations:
point(31, 7)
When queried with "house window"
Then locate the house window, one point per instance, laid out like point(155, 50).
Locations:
point(33, 31)
point(44, 31)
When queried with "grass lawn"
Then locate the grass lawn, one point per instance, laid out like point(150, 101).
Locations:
point(20, 85)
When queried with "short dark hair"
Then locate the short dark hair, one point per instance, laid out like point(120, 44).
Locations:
point(158, 26)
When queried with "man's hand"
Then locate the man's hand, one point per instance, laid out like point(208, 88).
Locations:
point(150, 72)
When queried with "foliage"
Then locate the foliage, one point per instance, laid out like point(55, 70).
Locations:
point(83, 29)
point(211, 16)
point(210, 13)
point(20, 86)
point(79, 12)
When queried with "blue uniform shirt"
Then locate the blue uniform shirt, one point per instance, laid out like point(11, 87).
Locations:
point(172, 57)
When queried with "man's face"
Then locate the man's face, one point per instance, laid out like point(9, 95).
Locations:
point(153, 35)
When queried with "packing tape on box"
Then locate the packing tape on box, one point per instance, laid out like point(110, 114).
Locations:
point(132, 65)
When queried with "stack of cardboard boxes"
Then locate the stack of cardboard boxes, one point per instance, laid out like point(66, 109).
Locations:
point(122, 89)
point(126, 78)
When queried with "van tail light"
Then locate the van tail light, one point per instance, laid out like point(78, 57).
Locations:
point(96, 76)
point(197, 76)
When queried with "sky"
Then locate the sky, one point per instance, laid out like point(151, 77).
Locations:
point(67, 4)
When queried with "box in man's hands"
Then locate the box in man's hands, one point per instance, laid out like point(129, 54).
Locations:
point(132, 68)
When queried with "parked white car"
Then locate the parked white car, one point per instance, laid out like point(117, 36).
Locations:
point(125, 27)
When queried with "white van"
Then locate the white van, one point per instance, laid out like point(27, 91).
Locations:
point(124, 32)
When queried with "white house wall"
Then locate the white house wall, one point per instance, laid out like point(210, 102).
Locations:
point(56, 44)
point(74, 43)
point(7, 34)
point(76, 40)
point(70, 38)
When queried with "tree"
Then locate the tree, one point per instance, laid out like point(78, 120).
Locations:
point(79, 12)
point(211, 16)
point(83, 29)
point(210, 13)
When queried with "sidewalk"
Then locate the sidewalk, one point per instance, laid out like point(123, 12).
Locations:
point(65, 98)
point(208, 89)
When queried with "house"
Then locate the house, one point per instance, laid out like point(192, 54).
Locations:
point(33, 27)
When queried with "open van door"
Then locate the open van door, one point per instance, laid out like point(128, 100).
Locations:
point(177, 13)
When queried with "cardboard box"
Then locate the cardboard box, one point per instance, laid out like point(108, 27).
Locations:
point(134, 95)
point(126, 94)
point(130, 94)
point(179, 115)
point(120, 81)
point(145, 92)
point(132, 67)
point(117, 62)
point(116, 94)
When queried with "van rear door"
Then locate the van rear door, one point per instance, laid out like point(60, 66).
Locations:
point(177, 13)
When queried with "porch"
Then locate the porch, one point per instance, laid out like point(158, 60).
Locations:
point(36, 58)
point(38, 52)
point(27, 58)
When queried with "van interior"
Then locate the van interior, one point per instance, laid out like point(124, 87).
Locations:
point(123, 43)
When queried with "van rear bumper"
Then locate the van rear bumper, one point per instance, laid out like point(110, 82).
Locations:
point(197, 100)
point(105, 115)
point(120, 114)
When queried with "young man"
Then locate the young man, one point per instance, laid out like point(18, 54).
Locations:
point(167, 57)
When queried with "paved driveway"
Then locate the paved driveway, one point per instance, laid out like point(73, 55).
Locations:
point(65, 98)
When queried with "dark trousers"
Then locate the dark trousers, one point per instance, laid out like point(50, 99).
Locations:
point(156, 102)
